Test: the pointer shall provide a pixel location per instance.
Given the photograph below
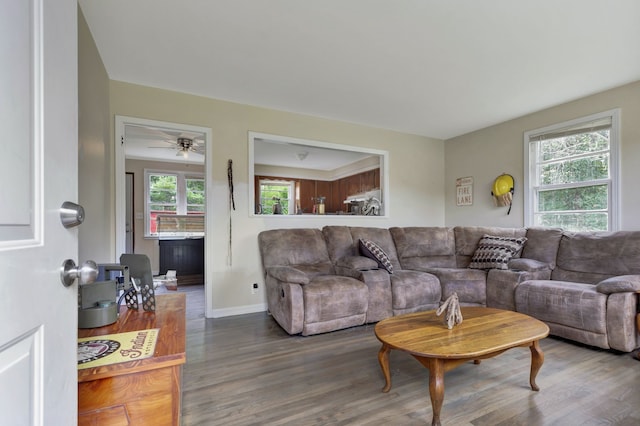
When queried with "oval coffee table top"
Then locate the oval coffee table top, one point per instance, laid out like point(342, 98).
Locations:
point(482, 331)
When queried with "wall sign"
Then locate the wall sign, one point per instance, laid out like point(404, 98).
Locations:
point(464, 191)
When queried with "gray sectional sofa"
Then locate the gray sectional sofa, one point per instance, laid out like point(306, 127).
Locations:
point(585, 286)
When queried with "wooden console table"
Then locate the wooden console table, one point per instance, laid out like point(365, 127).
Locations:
point(147, 391)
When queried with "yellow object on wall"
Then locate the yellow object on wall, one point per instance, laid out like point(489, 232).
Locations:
point(503, 191)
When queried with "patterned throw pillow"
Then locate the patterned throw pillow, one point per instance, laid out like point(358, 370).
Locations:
point(372, 250)
point(495, 252)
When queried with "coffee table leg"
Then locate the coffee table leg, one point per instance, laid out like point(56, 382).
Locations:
point(537, 358)
point(436, 388)
point(383, 359)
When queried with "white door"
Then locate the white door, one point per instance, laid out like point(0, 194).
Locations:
point(38, 172)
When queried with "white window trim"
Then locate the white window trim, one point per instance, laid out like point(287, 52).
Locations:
point(614, 166)
point(181, 195)
point(292, 192)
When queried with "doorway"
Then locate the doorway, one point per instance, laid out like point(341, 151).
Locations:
point(186, 147)
point(129, 220)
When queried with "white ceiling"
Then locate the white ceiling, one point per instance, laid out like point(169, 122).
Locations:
point(278, 153)
point(430, 67)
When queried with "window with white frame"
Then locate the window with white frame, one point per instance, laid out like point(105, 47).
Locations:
point(276, 196)
point(172, 193)
point(572, 178)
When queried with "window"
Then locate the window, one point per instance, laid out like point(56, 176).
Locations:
point(172, 193)
point(572, 181)
point(276, 196)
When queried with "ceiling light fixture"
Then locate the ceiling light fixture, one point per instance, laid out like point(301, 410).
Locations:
point(185, 145)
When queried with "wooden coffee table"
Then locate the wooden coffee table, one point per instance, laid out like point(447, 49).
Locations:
point(484, 333)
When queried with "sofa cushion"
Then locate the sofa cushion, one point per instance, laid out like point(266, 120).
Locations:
point(293, 247)
point(590, 257)
point(495, 252)
point(373, 251)
point(330, 297)
point(425, 247)
point(468, 237)
point(570, 304)
point(542, 245)
point(468, 284)
point(414, 291)
point(380, 236)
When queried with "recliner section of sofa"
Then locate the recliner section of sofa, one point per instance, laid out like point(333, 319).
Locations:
point(304, 294)
point(591, 294)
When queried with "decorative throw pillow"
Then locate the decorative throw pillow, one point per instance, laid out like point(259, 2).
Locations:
point(495, 252)
point(372, 250)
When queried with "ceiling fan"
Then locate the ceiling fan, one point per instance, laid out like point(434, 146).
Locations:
point(185, 146)
point(183, 143)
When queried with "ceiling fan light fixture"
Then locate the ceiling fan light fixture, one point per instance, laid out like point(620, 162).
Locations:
point(185, 143)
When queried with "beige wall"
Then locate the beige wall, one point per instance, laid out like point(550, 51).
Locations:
point(96, 237)
point(422, 170)
point(487, 153)
point(142, 245)
point(416, 173)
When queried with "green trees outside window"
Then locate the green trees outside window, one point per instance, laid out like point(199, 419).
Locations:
point(274, 193)
point(172, 193)
point(572, 179)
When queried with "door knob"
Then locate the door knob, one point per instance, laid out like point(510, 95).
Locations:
point(87, 273)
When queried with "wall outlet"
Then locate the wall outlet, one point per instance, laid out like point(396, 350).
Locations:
point(254, 288)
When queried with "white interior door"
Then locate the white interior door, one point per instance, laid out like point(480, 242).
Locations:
point(38, 172)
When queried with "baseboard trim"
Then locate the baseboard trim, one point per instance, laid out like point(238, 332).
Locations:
point(237, 310)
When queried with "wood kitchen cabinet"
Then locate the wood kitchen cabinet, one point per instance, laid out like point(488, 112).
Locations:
point(323, 189)
point(307, 194)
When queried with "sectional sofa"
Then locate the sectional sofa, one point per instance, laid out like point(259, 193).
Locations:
point(585, 286)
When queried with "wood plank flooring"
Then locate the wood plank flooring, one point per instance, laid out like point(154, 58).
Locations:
point(245, 370)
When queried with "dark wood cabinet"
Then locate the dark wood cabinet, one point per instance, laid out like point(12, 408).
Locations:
point(323, 189)
point(185, 256)
point(336, 198)
point(368, 181)
point(307, 195)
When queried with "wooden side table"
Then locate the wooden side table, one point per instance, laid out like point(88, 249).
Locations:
point(147, 391)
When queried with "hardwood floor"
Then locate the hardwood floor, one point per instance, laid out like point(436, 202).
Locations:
point(245, 370)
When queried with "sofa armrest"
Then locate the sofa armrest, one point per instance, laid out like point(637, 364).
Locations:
point(502, 284)
point(378, 281)
point(529, 265)
point(359, 263)
point(287, 274)
point(619, 284)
